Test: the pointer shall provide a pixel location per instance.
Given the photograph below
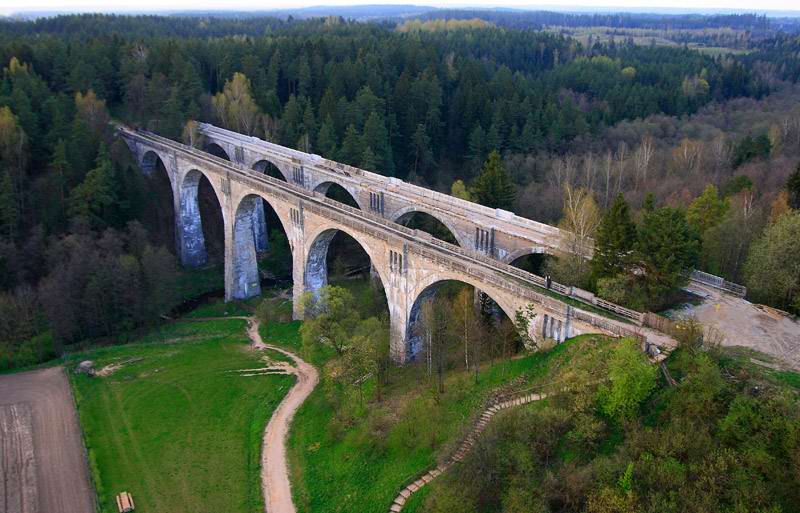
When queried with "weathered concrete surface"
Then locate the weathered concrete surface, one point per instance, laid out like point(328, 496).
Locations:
point(410, 264)
point(745, 324)
point(190, 228)
point(39, 428)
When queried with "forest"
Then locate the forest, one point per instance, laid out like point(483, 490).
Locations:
point(701, 147)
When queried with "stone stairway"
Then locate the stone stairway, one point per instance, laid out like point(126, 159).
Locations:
point(466, 445)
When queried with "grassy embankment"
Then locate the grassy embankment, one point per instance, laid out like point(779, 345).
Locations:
point(175, 425)
point(725, 435)
point(346, 456)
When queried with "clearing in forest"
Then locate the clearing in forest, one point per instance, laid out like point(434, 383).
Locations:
point(176, 424)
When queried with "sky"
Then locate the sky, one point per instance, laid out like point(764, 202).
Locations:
point(11, 6)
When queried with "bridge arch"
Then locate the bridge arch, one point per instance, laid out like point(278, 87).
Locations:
point(532, 259)
point(149, 163)
point(426, 289)
point(338, 192)
point(405, 215)
point(269, 168)
point(246, 278)
point(316, 265)
point(217, 150)
point(192, 236)
point(161, 200)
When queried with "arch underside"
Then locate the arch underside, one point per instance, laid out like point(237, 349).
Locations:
point(160, 203)
point(149, 162)
point(249, 238)
point(413, 340)
point(193, 244)
point(405, 216)
point(339, 193)
point(270, 169)
point(316, 265)
point(512, 256)
point(217, 150)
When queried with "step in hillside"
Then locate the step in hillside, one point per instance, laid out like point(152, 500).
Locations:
point(463, 448)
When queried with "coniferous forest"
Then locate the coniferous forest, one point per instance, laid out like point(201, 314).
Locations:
point(701, 145)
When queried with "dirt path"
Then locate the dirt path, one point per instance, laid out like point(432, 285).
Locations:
point(274, 467)
point(42, 463)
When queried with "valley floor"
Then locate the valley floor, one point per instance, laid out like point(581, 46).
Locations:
point(177, 418)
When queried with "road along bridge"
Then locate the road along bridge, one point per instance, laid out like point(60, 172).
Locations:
point(411, 264)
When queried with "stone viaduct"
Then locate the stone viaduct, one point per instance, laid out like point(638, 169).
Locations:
point(411, 264)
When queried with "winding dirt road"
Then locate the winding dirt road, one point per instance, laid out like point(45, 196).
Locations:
point(274, 467)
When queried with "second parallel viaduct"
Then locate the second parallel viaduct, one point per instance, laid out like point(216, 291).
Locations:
point(411, 264)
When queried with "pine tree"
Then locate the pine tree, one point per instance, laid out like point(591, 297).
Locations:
point(172, 115)
point(494, 139)
point(95, 199)
point(326, 141)
point(351, 151)
point(368, 160)
point(423, 155)
point(493, 187)
point(477, 144)
point(614, 240)
point(377, 139)
point(666, 248)
point(9, 211)
point(291, 121)
point(310, 124)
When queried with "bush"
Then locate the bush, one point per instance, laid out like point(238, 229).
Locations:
point(624, 290)
point(632, 379)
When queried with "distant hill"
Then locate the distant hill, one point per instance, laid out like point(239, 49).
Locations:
point(400, 11)
point(356, 12)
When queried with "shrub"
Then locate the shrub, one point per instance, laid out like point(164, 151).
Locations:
point(632, 379)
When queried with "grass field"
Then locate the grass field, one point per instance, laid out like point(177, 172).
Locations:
point(174, 426)
point(360, 462)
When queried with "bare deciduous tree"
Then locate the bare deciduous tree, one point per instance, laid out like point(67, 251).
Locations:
point(642, 158)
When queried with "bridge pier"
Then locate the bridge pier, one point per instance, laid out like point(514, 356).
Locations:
point(241, 263)
point(260, 228)
point(188, 223)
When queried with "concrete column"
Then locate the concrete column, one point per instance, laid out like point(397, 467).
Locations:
point(403, 344)
point(316, 265)
point(567, 325)
point(189, 225)
point(298, 279)
point(245, 282)
point(260, 233)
